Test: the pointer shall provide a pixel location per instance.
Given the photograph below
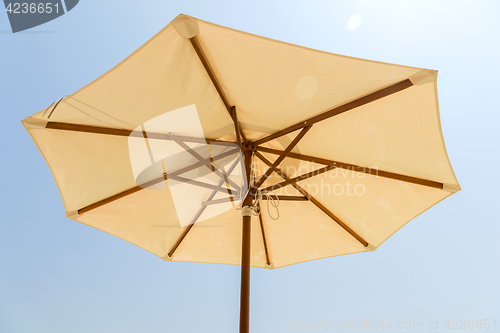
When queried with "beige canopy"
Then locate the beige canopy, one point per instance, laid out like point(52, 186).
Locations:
point(374, 125)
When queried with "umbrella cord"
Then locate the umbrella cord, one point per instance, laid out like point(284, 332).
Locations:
point(275, 202)
point(56, 102)
point(271, 197)
point(254, 207)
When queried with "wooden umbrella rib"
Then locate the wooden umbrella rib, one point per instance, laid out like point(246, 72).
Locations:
point(122, 132)
point(186, 231)
point(316, 203)
point(340, 109)
point(148, 184)
point(208, 68)
point(119, 195)
point(87, 129)
point(211, 73)
point(357, 168)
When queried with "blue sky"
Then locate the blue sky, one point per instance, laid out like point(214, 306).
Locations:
point(57, 275)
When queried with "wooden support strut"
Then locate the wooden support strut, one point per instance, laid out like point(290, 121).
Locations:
point(220, 201)
point(298, 178)
point(315, 202)
point(264, 240)
point(281, 158)
point(203, 161)
point(196, 183)
point(200, 211)
point(237, 128)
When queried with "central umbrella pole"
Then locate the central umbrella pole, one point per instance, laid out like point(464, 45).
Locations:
point(245, 252)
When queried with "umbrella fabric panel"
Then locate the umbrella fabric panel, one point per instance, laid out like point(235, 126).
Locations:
point(303, 233)
point(163, 75)
point(218, 240)
point(146, 218)
point(400, 133)
point(374, 207)
point(86, 167)
point(276, 84)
